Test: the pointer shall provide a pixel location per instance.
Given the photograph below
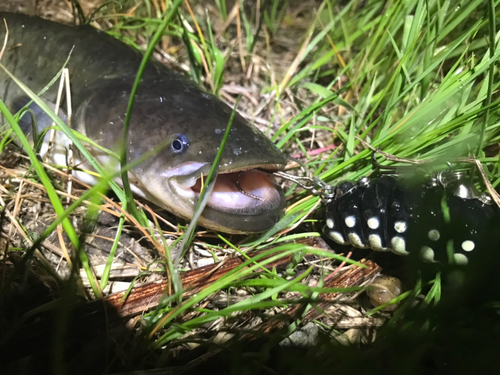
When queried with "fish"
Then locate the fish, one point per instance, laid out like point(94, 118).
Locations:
point(170, 113)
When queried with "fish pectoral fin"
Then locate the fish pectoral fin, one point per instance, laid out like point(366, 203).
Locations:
point(34, 122)
point(43, 120)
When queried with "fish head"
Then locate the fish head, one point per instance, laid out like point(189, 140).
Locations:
point(185, 127)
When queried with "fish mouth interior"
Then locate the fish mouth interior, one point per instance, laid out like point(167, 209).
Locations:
point(245, 192)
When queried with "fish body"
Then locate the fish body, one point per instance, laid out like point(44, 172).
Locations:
point(170, 113)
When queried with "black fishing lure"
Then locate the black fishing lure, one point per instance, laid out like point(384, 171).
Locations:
point(441, 218)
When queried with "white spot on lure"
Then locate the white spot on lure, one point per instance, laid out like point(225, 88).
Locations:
point(350, 221)
point(400, 226)
point(468, 245)
point(427, 254)
point(337, 237)
point(434, 235)
point(356, 241)
point(373, 223)
point(398, 245)
point(376, 242)
point(329, 223)
point(460, 259)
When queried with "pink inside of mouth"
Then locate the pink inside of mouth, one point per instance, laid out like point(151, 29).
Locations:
point(250, 191)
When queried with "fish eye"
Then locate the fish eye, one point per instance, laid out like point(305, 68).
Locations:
point(179, 143)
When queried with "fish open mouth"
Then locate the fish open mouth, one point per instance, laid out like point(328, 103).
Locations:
point(243, 200)
point(248, 192)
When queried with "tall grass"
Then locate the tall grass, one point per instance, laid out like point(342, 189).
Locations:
point(416, 79)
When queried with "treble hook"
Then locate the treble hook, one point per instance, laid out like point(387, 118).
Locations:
point(382, 168)
point(314, 184)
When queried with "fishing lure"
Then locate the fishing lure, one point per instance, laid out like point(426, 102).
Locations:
point(387, 213)
point(442, 218)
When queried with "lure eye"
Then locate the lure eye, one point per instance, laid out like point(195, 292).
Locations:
point(179, 143)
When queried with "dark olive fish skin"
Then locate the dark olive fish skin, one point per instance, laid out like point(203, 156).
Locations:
point(169, 110)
